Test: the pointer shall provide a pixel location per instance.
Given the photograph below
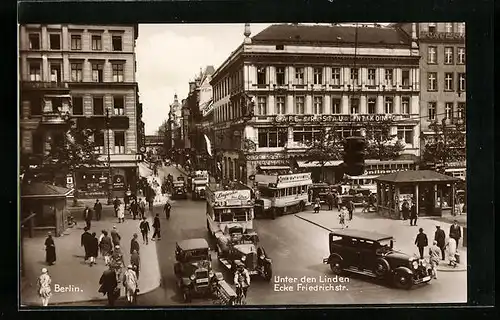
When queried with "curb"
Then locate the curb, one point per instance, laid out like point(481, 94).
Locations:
point(460, 268)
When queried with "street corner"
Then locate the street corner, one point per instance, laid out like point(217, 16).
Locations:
point(445, 267)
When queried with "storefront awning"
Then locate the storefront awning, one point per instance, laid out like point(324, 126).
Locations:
point(316, 164)
point(43, 190)
point(274, 167)
point(411, 176)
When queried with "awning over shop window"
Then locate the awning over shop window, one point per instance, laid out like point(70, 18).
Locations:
point(274, 167)
point(317, 164)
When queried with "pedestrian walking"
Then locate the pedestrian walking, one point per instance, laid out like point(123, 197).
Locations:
point(142, 208)
point(116, 204)
point(85, 242)
point(329, 199)
point(366, 206)
point(151, 201)
point(156, 227)
point(451, 247)
point(115, 236)
point(440, 237)
point(134, 208)
point(121, 213)
point(135, 261)
point(130, 284)
point(350, 208)
point(434, 254)
point(109, 285)
point(87, 216)
point(144, 226)
point(455, 232)
point(405, 210)
point(106, 246)
point(50, 250)
point(421, 242)
point(342, 217)
point(117, 262)
point(44, 290)
point(97, 209)
point(413, 215)
point(167, 209)
point(93, 249)
point(134, 244)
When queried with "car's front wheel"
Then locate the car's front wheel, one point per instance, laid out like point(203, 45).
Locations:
point(336, 265)
point(381, 268)
point(403, 280)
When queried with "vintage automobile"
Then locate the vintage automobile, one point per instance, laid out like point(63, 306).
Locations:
point(320, 190)
point(193, 269)
point(236, 244)
point(372, 254)
point(179, 190)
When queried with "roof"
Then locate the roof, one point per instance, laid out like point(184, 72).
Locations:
point(192, 244)
point(416, 176)
point(360, 234)
point(43, 190)
point(294, 33)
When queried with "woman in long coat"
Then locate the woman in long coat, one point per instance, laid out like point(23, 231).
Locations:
point(44, 290)
point(121, 213)
point(130, 283)
point(452, 251)
point(50, 250)
point(93, 248)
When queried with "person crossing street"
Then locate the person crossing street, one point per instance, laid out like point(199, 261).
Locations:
point(144, 226)
point(156, 227)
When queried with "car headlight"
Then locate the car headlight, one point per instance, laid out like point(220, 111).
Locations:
point(415, 264)
point(192, 277)
point(243, 258)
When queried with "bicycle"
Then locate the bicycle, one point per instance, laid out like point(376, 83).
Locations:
point(240, 296)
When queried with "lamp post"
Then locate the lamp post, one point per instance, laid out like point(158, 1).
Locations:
point(110, 181)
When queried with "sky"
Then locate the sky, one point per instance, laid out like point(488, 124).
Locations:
point(171, 55)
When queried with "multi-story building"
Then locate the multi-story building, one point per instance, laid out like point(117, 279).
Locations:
point(442, 68)
point(279, 88)
point(86, 72)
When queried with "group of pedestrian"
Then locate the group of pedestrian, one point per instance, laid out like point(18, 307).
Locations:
point(136, 208)
point(409, 212)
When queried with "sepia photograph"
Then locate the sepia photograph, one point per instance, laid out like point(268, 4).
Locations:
point(244, 164)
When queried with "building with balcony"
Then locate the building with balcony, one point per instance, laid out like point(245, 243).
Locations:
point(442, 68)
point(86, 72)
point(278, 89)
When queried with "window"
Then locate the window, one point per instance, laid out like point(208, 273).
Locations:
point(432, 55)
point(98, 106)
point(431, 111)
point(318, 75)
point(461, 55)
point(336, 106)
point(405, 105)
point(318, 105)
point(261, 75)
point(448, 55)
point(389, 76)
point(448, 110)
point(117, 72)
point(96, 42)
point(97, 73)
point(432, 27)
point(348, 132)
point(76, 72)
point(354, 105)
point(280, 105)
point(336, 76)
point(34, 39)
point(272, 137)
point(118, 106)
point(56, 105)
point(461, 28)
point(432, 81)
point(371, 77)
point(389, 105)
point(406, 78)
point(55, 72)
point(36, 106)
point(55, 41)
point(299, 75)
point(448, 81)
point(35, 71)
point(280, 47)
point(461, 110)
point(354, 75)
point(406, 134)
point(299, 105)
point(280, 76)
point(461, 82)
point(76, 42)
point(119, 142)
point(372, 106)
point(99, 142)
point(77, 105)
point(262, 106)
point(448, 27)
point(117, 43)
point(306, 135)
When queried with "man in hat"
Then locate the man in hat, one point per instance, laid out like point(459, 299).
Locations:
point(115, 236)
point(86, 239)
point(421, 242)
point(241, 279)
point(434, 253)
point(135, 261)
point(156, 226)
point(109, 285)
point(440, 238)
point(87, 216)
point(144, 226)
point(455, 231)
point(97, 209)
point(50, 250)
point(134, 244)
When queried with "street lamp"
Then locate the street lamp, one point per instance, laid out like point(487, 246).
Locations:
point(110, 182)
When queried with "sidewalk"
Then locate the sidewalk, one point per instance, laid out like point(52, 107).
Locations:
point(403, 233)
point(70, 269)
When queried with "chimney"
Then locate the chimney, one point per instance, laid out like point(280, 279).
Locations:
point(247, 34)
point(414, 36)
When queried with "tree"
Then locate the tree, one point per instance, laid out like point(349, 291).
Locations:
point(381, 144)
point(326, 145)
point(446, 143)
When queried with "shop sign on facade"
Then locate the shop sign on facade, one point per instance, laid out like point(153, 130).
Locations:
point(294, 177)
point(118, 182)
point(339, 118)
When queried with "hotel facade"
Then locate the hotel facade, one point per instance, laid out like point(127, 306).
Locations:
point(277, 91)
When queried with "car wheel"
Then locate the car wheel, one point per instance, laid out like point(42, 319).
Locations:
point(336, 265)
point(402, 280)
point(381, 268)
point(268, 272)
point(186, 295)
